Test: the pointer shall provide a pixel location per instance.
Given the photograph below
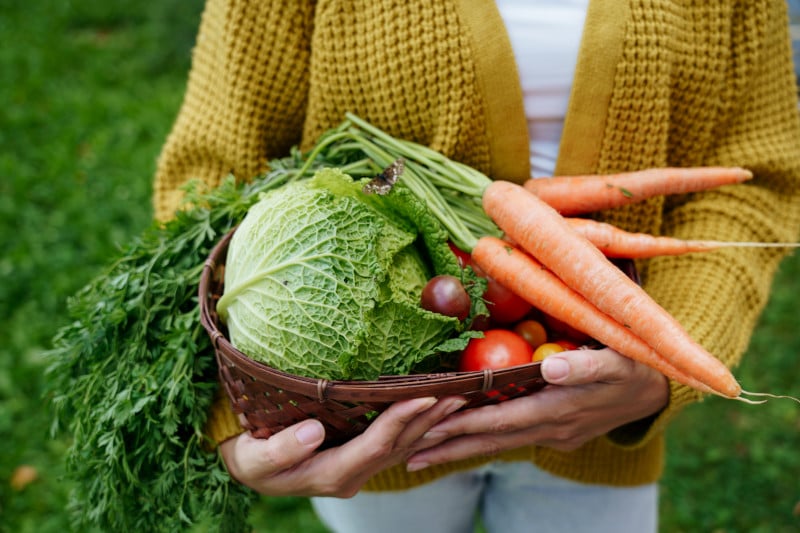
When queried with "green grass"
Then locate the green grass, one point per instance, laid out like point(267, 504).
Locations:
point(90, 90)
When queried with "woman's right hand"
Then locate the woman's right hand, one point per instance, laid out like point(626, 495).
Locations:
point(287, 463)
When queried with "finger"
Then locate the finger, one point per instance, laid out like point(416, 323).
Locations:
point(342, 470)
point(468, 446)
point(421, 425)
point(504, 417)
point(286, 463)
point(580, 367)
point(397, 428)
point(455, 449)
point(250, 459)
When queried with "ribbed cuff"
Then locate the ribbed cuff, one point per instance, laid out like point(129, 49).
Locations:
point(222, 423)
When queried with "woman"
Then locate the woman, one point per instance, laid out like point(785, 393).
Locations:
point(620, 85)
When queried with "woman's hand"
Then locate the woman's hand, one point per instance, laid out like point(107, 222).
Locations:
point(287, 463)
point(590, 392)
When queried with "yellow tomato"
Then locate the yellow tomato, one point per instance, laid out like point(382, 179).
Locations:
point(546, 349)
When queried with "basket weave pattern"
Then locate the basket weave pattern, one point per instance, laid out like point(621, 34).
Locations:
point(267, 400)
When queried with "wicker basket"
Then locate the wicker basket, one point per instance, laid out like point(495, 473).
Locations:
point(267, 400)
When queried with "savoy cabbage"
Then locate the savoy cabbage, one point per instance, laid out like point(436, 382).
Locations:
point(323, 280)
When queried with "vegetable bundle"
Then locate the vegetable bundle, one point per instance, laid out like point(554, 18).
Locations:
point(132, 377)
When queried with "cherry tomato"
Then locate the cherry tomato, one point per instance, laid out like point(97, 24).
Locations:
point(444, 294)
point(499, 348)
point(480, 323)
point(566, 344)
point(547, 349)
point(505, 307)
point(562, 329)
point(464, 259)
point(532, 331)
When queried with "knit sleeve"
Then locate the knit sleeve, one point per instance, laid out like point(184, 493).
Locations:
point(719, 296)
point(245, 98)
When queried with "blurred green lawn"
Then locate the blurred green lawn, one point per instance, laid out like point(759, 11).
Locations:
point(90, 90)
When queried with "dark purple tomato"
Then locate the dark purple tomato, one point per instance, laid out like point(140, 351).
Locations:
point(445, 294)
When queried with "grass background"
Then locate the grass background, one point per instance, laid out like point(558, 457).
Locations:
point(90, 90)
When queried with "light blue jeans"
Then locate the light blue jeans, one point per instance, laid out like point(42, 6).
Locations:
point(508, 497)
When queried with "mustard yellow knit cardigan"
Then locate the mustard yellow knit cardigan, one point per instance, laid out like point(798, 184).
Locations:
point(656, 85)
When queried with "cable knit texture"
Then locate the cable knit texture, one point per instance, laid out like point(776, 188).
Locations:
point(658, 83)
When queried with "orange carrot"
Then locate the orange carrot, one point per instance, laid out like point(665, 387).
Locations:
point(522, 274)
point(572, 195)
point(548, 237)
point(616, 242)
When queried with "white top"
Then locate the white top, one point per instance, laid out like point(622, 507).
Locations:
point(545, 36)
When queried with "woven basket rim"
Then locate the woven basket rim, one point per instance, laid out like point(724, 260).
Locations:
point(385, 388)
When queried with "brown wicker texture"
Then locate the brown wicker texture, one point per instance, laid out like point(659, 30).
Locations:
point(267, 400)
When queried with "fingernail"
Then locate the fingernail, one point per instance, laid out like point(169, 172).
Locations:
point(555, 369)
point(455, 406)
point(415, 467)
point(423, 404)
point(433, 436)
point(309, 433)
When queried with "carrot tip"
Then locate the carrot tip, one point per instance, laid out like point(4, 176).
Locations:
point(746, 400)
point(766, 395)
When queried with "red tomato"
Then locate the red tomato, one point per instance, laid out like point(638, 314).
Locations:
point(567, 345)
point(463, 257)
point(480, 323)
point(505, 307)
point(499, 348)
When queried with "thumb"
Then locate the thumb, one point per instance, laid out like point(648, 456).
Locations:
point(555, 369)
point(249, 458)
point(579, 367)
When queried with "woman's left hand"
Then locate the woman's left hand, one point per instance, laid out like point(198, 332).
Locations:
point(589, 393)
